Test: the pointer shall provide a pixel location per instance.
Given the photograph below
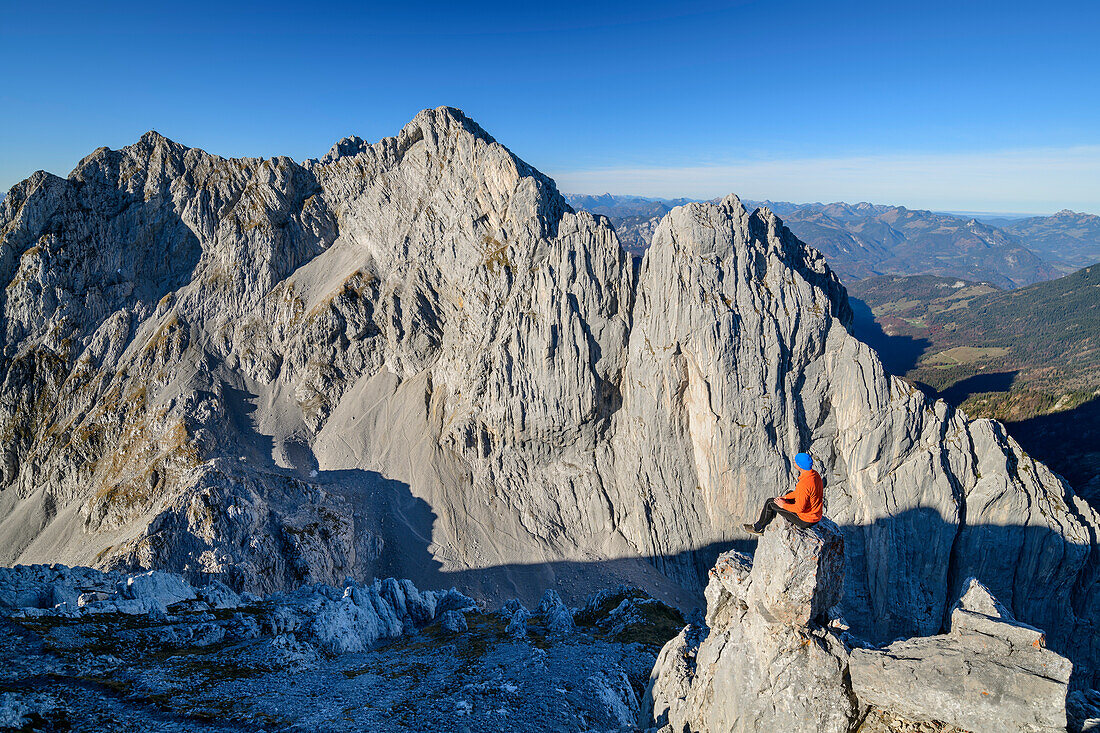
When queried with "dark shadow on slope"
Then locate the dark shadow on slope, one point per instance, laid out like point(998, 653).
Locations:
point(672, 578)
point(240, 406)
point(392, 528)
point(1041, 577)
point(1069, 443)
point(899, 354)
point(958, 392)
point(387, 508)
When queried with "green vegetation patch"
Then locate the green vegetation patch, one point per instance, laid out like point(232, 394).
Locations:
point(965, 355)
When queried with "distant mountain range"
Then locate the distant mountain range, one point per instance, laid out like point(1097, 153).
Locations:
point(1067, 236)
point(619, 207)
point(864, 240)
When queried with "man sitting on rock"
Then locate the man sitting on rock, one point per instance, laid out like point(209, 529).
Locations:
point(801, 507)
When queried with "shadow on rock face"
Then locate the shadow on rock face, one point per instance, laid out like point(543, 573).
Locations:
point(899, 354)
point(901, 575)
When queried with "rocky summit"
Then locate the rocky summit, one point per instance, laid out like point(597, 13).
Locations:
point(775, 656)
point(413, 359)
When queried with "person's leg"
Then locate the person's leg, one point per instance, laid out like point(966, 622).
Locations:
point(794, 518)
point(767, 514)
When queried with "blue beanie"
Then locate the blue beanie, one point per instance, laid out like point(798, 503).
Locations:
point(803, 461)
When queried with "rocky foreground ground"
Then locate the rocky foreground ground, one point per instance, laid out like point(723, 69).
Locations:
point(89, 650)
point(86, 650)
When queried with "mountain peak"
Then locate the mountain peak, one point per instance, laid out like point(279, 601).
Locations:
point(152, 137)
point(433, 123)
point(279, 323)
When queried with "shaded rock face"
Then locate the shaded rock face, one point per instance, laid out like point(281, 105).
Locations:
point(1083, 711)
point(989, 673)
point(412, 358)
point(768, 662)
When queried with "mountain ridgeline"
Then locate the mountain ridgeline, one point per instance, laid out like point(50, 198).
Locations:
point(865, 240)
point(414, 358)
point(1067, 236)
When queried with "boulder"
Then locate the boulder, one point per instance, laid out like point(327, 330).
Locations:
point(453, 621)
point(392, 591)
point(165, 588)
point(801, 573)
point(421, 606)
point(629, 614)
point(345, 625)
point(451, 600)
point(516, 615)
point(768, 662)
point(989, 673)
point(556, 616)
point(218, 595)
point(1083, 711)
point(667, 695)
point(610, 702)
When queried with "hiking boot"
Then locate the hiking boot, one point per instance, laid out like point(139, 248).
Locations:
point(751, 529)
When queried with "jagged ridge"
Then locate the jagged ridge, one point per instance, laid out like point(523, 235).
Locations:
point(413, 358)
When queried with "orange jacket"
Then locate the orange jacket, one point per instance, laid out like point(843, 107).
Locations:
point(807, 499)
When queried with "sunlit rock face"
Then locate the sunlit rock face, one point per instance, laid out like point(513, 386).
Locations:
point(412, 358)
point(773, 655)
point(767, 659)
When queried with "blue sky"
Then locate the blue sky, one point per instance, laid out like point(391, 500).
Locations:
point(984, 106)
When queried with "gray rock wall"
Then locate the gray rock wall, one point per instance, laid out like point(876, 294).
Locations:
point(412, 358)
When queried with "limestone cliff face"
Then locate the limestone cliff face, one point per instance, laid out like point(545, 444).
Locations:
point(412, 357)
point(740, 356)
point(420, 325)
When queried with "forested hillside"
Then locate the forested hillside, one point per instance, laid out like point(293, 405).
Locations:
point(1029, 357)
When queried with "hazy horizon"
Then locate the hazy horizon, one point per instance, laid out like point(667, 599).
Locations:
point(825, 202)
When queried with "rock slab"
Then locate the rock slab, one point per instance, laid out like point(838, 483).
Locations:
point(990, 673)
